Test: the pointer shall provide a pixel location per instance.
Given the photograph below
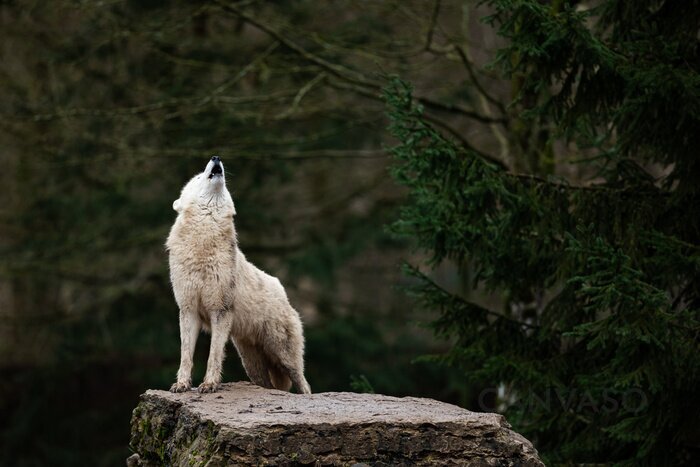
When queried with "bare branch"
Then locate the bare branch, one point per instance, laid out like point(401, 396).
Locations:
point(211, 97)
point(475, 80)
point(467, 303)
point(337, 70)
point(431, 25)
point(300, 95)
point(311, 154)
point(346, 73)
point(246, 69)
point(458, 109)
point(432, 119)
point(466, 144)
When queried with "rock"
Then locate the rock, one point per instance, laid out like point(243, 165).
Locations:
point(133, 460)
point(243, 424)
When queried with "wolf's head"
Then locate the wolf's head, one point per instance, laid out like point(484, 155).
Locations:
point(206, 190)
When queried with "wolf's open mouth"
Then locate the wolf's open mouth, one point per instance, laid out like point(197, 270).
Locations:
point(216, 170)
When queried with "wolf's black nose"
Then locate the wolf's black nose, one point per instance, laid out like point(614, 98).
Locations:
point(216, 159)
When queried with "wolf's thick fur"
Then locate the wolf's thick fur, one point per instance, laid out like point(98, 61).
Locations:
point(217, 289)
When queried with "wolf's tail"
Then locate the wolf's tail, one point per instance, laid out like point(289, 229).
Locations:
point(279, 378)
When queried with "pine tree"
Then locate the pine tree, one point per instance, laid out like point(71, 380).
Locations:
point(597, 338)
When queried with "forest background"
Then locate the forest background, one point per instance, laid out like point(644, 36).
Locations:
point(107, 108)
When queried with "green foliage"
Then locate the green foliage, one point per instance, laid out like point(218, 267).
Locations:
point(627, 75)
point(361, 384)
point(595, 339)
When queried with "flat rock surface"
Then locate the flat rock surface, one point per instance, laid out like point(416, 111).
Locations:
point(246, 405)
point(243, 424)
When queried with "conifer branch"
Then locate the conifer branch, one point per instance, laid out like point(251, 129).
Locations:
point(434, 120)
point(414, 271)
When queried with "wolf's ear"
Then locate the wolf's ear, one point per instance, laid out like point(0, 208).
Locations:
point(176, 205)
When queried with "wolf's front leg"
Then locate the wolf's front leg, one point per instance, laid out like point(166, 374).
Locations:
point(190, 325)
point(220, 330)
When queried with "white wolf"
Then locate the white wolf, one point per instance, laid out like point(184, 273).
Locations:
point(217, 289)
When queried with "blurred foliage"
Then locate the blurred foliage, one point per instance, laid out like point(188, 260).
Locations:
point(361, 384)
point(108, 108)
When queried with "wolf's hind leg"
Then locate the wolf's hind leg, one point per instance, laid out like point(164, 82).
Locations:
point(296, 374)
point(285, 348)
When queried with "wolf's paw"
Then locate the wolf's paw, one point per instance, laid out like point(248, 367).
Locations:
point(180, 386)
point(207, 387)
